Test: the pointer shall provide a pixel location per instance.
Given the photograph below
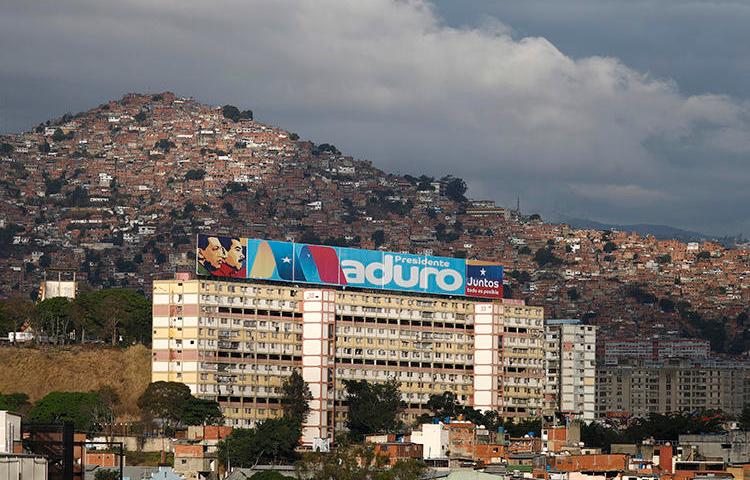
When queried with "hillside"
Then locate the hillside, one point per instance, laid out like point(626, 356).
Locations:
point(37, 372)
point(118, 193)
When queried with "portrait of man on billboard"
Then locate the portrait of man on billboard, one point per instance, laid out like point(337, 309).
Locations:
point(211, 255)
point(234, 261)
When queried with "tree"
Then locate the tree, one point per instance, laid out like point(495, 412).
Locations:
point(58, 135)
point(231, 112)
point(103, 414)
point(121, 307)
point(666, 305)
point(15, 402)
point(195, 174)
point(296, 398)
point(404, 469)
point(76, 407)
point(663, 259)
point(378, 237)
point(106, 474)
point(197, 411)
point(164, 144)
point(234, 114)
point(113, 313)
point(6, 148)
point(273, 441)
point(455, 189)
point(53, 317)
point(373, 407)
point(269, 475)
point(347, 462)
point(445, 405)
point(14, 312)
point(140, 117)
point(596, 435)
point(164, 401)
point(573, 294)
point(610, 247)
point(544, 256)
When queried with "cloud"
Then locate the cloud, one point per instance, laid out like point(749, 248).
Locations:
point(392, 82)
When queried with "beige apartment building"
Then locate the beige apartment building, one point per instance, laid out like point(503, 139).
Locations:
point(236, 342)
point(642, 387)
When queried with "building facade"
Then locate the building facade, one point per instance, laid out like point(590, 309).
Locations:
point(570, 360)
point(236, 342)
point(642, 387)
point(612, 352)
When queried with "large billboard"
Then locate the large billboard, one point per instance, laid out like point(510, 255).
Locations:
point(237, 257)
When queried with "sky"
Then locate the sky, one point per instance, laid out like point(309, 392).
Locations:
point(631, 111)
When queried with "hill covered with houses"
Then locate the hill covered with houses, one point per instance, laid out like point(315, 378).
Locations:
point(118, 193)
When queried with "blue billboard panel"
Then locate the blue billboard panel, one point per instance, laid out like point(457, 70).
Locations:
point(236, 257)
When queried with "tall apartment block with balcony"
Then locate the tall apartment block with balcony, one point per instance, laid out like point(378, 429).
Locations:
point(236, 342)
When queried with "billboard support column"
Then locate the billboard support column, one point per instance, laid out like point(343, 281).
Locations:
point(488, 335)
point(318, 323)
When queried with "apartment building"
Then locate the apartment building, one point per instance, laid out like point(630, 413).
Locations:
point(570, 359)
point(642, 387)
point(236, 342)
point(612, 352)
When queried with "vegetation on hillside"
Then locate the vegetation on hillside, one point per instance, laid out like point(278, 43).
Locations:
point(115, 315)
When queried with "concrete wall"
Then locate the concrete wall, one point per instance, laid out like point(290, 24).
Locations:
point(148, 444)
point(26, 467)
point(10, 431)
point(731, 447)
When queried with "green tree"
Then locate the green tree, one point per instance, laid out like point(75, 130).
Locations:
point(197, 411)
point(445, 405)
point(373, 407)
point(378, 237)
point(58, 135)
point(573, 294)
point(272, 441)
point(455, 189)
point(610, 247)
point(164, 144)
point(14, 312)
point(269, 475)
point(296, 398)
point(231, 112)
point(53, 317)
point(666, 305)
point(106, 474)
point(403, 469)
point(77, 407)
point(195, 174)
point(15, 402)
point(114, 312)
point(164, 401)
point(544, 257)
point(596, 435)
point(346, 462)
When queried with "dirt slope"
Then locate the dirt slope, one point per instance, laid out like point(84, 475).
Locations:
point(37, 371)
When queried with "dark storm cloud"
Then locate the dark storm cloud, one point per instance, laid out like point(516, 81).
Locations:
point(395, 83)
